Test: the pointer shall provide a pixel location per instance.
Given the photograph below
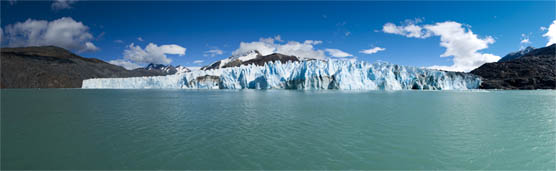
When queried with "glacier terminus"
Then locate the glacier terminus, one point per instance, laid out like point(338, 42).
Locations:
point(306, 75)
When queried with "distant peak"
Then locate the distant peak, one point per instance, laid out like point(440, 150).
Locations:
point(157, 66)
point(527, 49)
point(515, 55)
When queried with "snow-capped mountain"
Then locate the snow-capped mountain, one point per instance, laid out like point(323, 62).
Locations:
point(250, 57)
point(182, 69)
point(169, 69)
point(515, 55)
point(306, 74)
point(233, 60)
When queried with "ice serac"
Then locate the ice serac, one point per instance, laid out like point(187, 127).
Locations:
point(313, 74)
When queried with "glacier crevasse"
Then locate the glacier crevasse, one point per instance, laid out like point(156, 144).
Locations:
point(314, 74)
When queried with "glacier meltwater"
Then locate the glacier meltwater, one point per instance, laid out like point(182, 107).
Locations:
point(312, 74)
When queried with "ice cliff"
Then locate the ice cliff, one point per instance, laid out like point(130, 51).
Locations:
point(313, 74)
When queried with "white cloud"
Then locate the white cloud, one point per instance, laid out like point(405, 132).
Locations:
point(347, 33)
point(524, 40)
point(313, 42)
point(64, 32)
point(198, 61)
point(140, 39)
point(551, 34)
point(278, 38)
point(407, 30)
point(118, 41)
point(153, 53)
point(414, 21)
point(372, 50)
point(125, 63)
point(543, 28)
point(459, 41)
point(264, 47)
point(463, 45)
point(337, 53)
point(62, 4)
point(213, 52)
point(89, 47)
point(303, 50)
point(267, 46)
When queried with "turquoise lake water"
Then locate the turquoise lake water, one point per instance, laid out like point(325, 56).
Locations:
point(277, 129)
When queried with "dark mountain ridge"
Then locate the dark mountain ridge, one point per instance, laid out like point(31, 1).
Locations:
point(54, 67)
point(535, 69)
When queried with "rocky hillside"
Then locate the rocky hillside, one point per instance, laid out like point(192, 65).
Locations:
point(535, 69)
point(54, 67)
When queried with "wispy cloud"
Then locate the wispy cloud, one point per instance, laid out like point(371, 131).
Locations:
point(337, 53)
point(62, 4)
point(278, 38)
point(372, 50)
point(125, 63)
point(213, 52)
point(198, 62)
point(524, 40)
point(408, 29)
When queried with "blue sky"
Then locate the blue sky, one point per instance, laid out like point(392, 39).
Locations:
point(346, 26)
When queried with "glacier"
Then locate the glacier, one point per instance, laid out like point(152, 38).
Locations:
point(306, 75)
